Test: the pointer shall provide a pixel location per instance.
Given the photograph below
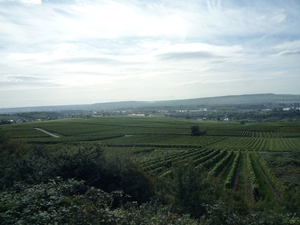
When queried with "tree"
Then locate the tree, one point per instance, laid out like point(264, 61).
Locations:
point(195, 131)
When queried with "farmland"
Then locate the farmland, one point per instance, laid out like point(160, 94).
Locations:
point(169, 139)
point(164, 132)
point(259, 162)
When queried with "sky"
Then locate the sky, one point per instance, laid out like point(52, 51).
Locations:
point(62, 52)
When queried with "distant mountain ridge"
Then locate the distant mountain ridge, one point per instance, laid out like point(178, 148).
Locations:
point(208, 101)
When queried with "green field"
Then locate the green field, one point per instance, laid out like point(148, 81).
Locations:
point(163, 131)
point(242, 172)
point(157, 144)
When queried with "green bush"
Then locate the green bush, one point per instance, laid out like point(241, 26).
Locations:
point(86, 162)
point(57, 202)
point(73, 202)
point(35, 164)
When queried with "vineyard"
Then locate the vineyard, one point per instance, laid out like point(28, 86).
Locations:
point(229, 167)
point(235, 155)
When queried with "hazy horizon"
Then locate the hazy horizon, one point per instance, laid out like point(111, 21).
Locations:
point(150, 101)
point(85, 51)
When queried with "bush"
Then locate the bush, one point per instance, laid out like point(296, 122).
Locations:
point(191, 191)
point(58, 202)
point(84, 162)
point(73, 202)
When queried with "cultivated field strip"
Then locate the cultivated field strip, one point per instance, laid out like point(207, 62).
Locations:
point(260, 144)
point(173, 156)
point(201, 159)
point(168, 161)
point(258, 180)
point(167, 139)
point(219, 167)
point(253, 178)
point(254, 134)
point(197, 162)
point(229, 182)
point(276, 183)
point(212, 161)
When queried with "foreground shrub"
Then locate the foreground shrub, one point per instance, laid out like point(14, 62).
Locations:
point(73, 202)
point(85, 162)
point(36, 164)
point(56, 201)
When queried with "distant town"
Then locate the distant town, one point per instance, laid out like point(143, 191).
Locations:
point(238, 112)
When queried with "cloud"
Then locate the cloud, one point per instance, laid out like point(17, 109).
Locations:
point(196, 51)
point(287, 53)
point(290, 45)
point(88, 60)
point(33, 2)
point(186, 55)
point(24, 82)
point(143, 45)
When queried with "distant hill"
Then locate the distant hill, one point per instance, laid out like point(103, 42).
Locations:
point(239, 99)
point(209, 101)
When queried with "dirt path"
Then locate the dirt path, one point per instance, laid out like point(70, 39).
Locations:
point(46, 132)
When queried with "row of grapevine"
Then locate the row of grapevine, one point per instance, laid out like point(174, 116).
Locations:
point(164, 157)
point(260, 144)
point(254, 134)
point(276, 135)
point(254, 180)
point(176, 158)
point(277, 184)
point(292, 128)
point(255, 127)
point(212, 161)
point(226, 132)
point(232, 173)
point(193, 140)
point(237, 143)
point(208, 161)
point(206, 157)
point(221, 165)
point(203, 153)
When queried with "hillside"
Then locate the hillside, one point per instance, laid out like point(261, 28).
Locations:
point(201, 102)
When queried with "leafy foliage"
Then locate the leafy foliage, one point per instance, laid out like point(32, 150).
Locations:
point(254, 180)
point(232, 174)
point(84, 162)
point(57, 201)
point(220, 165)
point(73, 202)
point(195, 131)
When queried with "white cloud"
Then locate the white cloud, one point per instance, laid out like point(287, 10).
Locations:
point(137, 46)
point(34, 2)
point(290, 45)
